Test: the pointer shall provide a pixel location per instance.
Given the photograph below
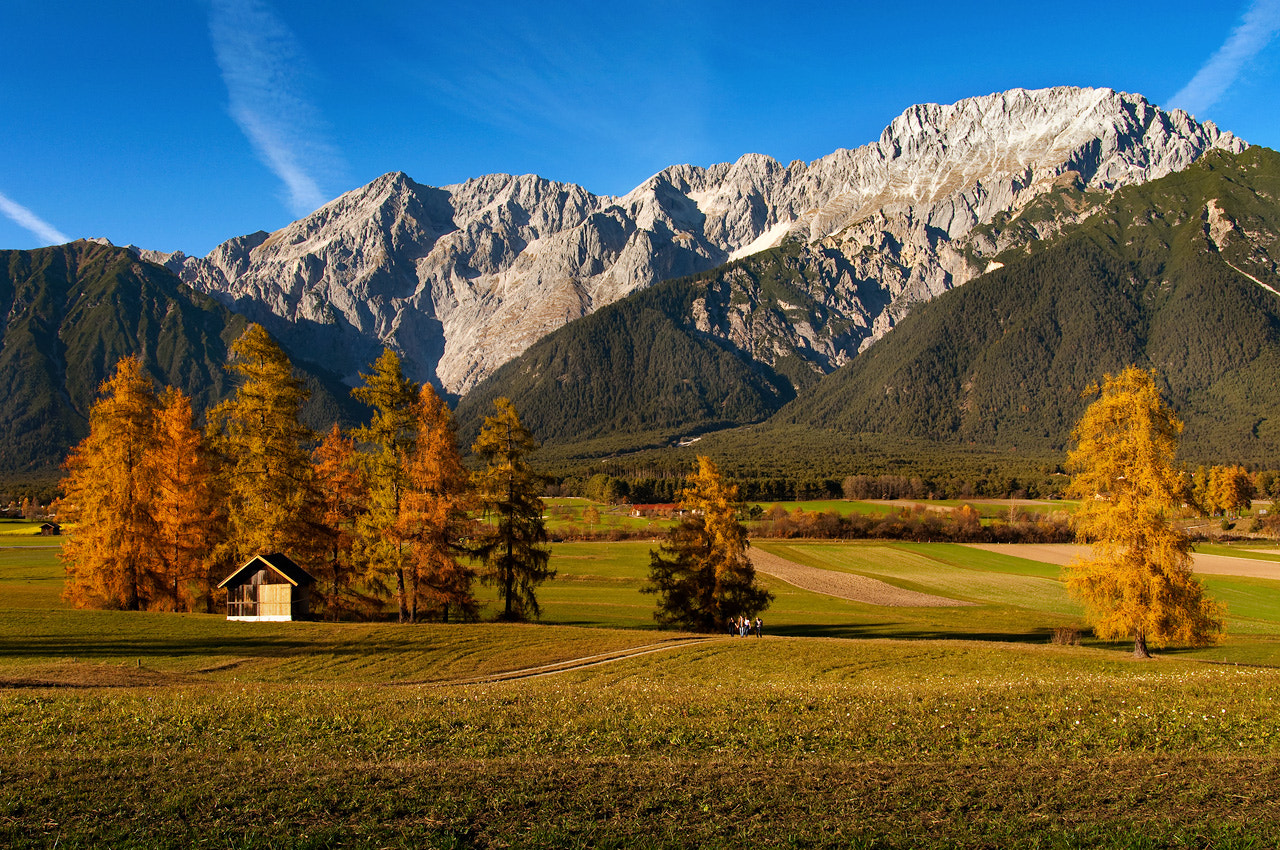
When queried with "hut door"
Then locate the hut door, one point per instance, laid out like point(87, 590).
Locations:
point(273, 600)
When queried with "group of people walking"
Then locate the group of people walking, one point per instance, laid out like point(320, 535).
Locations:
point(743, 626)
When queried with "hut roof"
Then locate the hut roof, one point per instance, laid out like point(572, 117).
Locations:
point(278, 562)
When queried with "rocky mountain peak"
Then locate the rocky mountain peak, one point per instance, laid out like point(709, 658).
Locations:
point(461, 278)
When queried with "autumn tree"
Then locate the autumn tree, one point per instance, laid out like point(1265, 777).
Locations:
point(701, 574)
point(1203, 497)
point(509, 493)
point(112, 555)
point(387, 441)
point(264, 466)
point(190, 521)
point(1233, 489)
point(1222, 490)
point(1138, 582)
point(342, 496)
point(434, 515)
point(1265, 483)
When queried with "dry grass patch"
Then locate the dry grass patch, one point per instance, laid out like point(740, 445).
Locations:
point(916, 571)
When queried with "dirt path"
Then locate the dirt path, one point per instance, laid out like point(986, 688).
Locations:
point(846, 585)
point(1063, 553)
point(572, 663)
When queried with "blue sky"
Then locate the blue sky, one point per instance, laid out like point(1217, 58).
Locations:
point(177, 124)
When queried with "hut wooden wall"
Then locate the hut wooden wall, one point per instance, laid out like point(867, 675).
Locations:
point(274, 600)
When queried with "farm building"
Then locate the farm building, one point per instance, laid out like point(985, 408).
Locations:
point(656, 511)
point(269, 587)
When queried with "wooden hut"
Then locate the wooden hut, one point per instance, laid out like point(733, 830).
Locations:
point(269, 587)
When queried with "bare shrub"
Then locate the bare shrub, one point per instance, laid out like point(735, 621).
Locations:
point(1066, 636)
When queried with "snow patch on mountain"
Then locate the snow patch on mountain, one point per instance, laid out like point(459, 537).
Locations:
point(771, 238)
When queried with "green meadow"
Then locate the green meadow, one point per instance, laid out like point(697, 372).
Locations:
point(847, 725)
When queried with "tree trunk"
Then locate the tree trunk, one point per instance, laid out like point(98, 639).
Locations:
point(132, 598)
point(1140, 646)
point(413, 591)
point(509, 510)
point(404, 611)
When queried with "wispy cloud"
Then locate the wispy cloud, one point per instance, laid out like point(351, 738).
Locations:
point(265, 71)
point(28, 220)
point(1259, 25)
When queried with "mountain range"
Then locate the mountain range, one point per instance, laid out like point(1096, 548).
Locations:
point(1179, 274)
point(463, 278)
point(709, 298)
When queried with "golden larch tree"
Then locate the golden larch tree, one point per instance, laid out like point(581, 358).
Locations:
point(1137, 583)
point(435, 516)
point(191, 523)
point(701, 573)
point(112, 552)
point(1233, 489)
point(343, 494)
point(1203, 496)
point(386, 443)
point(263, 463)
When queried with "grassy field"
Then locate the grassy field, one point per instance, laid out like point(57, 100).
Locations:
point(847, 725)
point(569, 514)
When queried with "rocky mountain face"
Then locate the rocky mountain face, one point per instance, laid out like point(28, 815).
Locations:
point(463, 278)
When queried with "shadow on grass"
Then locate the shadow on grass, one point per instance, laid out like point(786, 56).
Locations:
point(98, 647)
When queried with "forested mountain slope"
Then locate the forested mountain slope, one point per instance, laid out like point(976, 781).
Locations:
point(1001, 362)
point(71, 312)
point(1179, 275)
point(641, 371)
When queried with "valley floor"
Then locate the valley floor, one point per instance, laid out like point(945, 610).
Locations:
point(847, 725)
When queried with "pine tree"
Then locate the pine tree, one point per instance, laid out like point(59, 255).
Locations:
point(509, 492)
point(388, 440)
point(1138, 581)
point(435, 516)
point(701, 573)
point(112, 555)
point(264, 466)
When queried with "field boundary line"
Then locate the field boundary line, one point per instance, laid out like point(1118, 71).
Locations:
point(570, 664)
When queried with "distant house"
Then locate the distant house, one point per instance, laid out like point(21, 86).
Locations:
point(656, 511)
point(50, 529)
point(269, 588)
